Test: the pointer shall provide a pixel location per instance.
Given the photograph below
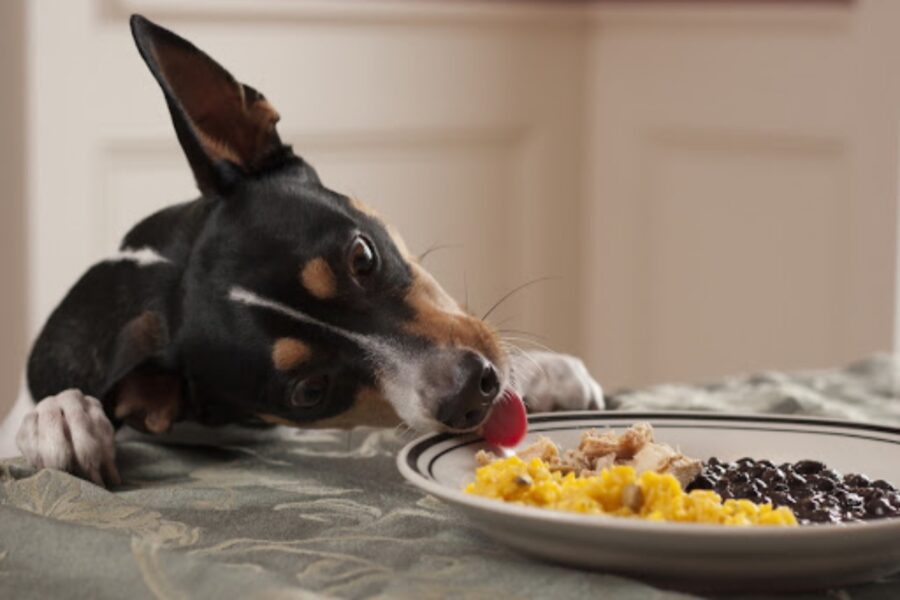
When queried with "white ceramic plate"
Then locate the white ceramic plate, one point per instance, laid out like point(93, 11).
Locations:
point(681, 554)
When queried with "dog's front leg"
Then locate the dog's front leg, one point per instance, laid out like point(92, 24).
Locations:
point(550, 381)
point(70, 432)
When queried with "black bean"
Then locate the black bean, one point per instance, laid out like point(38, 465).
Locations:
point(755, 471)
point(726, 494)
point(879, 507)
point(870, 493)
point(739, 477)
point(849, 499)
point(807, 504)
point(816, 493)
point(881, 484)
point(830, 474)
point(782, 499)
point(773, 475)
point(807, 467)
point(702, 482)
point(795, 480)
point(857, 480)
point(824, 485)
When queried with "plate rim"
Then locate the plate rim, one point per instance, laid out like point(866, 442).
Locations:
point(552, 517)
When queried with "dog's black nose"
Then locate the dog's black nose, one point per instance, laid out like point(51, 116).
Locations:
point(480, 384)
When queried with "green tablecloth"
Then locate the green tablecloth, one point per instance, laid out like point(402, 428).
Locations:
point(304, 514)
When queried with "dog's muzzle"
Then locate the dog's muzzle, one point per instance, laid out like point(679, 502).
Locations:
point(475, 385)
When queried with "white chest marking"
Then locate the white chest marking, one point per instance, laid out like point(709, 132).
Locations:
point(142, 256)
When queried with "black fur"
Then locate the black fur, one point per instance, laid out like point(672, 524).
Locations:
point(258, 222)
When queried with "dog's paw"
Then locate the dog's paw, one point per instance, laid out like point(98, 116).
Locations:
point(70, 432)
point(548, 381)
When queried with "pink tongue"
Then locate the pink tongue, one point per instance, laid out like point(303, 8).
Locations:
point(508, 422)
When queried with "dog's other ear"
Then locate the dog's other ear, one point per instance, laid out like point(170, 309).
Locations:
point(143, 395)
point(226, 128)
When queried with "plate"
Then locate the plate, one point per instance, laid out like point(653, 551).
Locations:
point(686, 555)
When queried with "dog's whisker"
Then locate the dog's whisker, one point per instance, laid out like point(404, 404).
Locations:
point(504, 321)
point(533, 362)
point(466, 290)
point(514, 291)
point(534, 343)
point(522, 332)
point(521, 366)
point(435, 248)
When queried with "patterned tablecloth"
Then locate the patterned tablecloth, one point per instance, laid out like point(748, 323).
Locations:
point(307, 514)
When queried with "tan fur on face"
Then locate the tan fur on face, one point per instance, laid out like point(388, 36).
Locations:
point(369, 408)
point(289, 353)
point(439, 318)
point(318, 279)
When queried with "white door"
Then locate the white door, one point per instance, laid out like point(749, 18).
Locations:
point(742, 187)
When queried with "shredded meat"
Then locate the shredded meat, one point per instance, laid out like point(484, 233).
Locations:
point(483, 458)
point(543, 448)
point(601, 449)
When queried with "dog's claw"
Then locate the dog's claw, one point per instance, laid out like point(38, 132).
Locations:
point(550, 381)
point(70, 432)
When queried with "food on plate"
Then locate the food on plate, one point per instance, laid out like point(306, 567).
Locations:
point(814, 492)
point(617, 491)
point(632, 475)
point(599, 450)
point(627, 475)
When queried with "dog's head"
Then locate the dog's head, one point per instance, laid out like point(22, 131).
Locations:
point(300, 304)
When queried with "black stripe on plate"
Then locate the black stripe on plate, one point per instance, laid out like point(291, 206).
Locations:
point(708, 416)
point(430, 468)
point(419, 449)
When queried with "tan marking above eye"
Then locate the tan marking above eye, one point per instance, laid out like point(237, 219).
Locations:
point(440, 319)
point(364, 208)
point(392, 233)
point(289, 353)
point(318, 279)
point(369, 408)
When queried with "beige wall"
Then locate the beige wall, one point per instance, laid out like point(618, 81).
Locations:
point(12, 199)
point(741, 188)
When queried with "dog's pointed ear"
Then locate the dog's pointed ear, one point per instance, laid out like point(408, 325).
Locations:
point(226, 128)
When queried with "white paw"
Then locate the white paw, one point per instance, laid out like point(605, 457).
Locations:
point(550, 381)
point(70, 432)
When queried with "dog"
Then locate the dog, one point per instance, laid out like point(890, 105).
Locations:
point(269, 299)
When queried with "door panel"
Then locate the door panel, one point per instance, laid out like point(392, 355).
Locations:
point(740, 211)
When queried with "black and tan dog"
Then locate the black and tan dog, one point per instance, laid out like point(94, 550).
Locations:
point(268, 298)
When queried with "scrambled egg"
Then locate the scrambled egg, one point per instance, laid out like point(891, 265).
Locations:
point(617, 491)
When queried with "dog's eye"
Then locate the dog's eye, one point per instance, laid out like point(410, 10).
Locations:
point(361, 257)
point(310, 392)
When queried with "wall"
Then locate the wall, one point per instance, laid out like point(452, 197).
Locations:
point(740, 187)
point(12, 206)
